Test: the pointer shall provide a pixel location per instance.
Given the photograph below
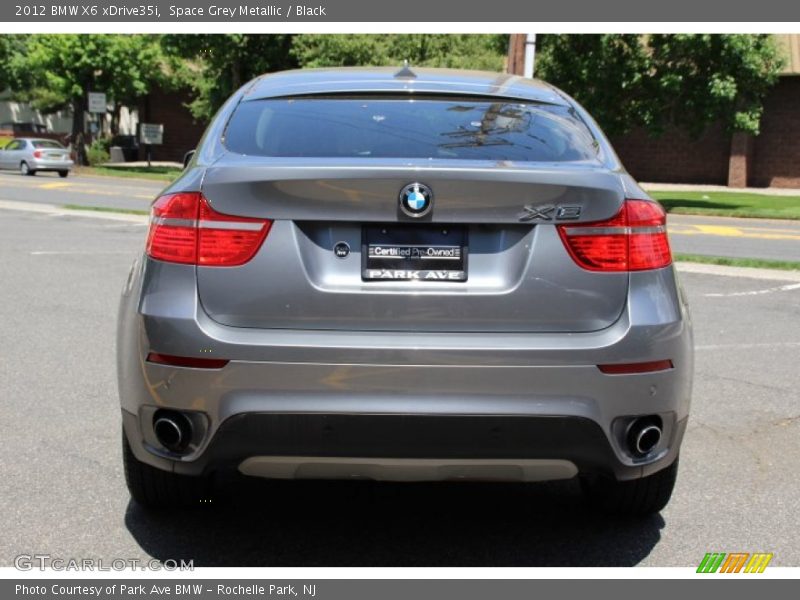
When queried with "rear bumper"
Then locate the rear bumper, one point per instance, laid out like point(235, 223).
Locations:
point(389, 395)
point(498, 447)
point(52, 165)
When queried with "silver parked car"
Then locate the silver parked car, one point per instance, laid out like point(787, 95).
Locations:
point(408, 276)
point(31, 155)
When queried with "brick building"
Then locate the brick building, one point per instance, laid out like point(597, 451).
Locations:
point(181, 130)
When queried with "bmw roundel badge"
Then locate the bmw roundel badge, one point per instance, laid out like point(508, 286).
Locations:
point(416, 200)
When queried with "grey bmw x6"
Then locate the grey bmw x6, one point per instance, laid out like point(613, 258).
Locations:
point(407, 275)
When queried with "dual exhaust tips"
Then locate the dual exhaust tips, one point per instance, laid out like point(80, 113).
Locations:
point(644, 435)
point(173, 430)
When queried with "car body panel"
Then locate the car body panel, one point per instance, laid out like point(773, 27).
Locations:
point(519, 277)
point(322, 364)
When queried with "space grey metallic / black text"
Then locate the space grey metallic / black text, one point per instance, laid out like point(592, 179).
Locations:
point(404, 275)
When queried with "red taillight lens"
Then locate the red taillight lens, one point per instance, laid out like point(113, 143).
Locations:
point(185, 229)
point(227, 241)
point(648, 246)
point(635, 239)
point(173, 228)
point(37, 154)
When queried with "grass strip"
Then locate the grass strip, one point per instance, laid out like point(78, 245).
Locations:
point(756, 263)
point(124, 211)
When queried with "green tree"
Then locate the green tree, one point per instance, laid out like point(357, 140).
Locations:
point(699, 79)
point(605, 73)
point(686, 80)
point(215, 65)
point(138, 65)
point(439, 50)
point(10, 46)
point(56, 72)
point(319, 50)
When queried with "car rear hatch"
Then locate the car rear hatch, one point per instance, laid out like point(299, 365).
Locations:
point(49, 151)
point(496, 260)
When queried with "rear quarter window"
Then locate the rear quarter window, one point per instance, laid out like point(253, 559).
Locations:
point(409, 128)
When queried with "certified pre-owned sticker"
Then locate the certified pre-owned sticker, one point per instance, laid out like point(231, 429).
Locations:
point(421, 252)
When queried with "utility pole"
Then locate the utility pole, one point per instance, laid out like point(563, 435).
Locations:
point(530, 54)
point(521, 54)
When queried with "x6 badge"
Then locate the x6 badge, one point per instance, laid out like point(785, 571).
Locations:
point(530, 212)
point(545, 213)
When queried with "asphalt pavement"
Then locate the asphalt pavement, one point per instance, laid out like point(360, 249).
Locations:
point(714, 236)
point(62, 485)
point(80, 190)
point(769, 239)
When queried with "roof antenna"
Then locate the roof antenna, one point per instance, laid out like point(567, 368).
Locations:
point(405, 71)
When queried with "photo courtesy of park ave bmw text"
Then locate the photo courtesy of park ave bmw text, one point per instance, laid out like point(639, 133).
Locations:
point(333, 300)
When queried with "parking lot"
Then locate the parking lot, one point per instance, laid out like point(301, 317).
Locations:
point(64, 494)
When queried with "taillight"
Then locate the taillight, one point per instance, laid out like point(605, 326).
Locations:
point(185, 229)
point(37, 154)
point(635, 239)
point(173, 228)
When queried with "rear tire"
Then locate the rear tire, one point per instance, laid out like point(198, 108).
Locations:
point(637, 497)
point(24, 169)
point(63, 173)
point(154, 488)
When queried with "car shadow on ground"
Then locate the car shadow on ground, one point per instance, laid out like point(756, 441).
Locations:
point(310, 523)
point(31, 177)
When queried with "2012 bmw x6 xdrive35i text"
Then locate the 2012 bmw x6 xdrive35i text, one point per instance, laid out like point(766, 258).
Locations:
point(414, 275)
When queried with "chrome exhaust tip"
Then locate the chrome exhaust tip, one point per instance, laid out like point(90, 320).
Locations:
point(644, 435)
point(172, 430)
point(647, 439)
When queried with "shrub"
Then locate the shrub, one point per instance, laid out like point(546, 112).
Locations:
point(97, 154)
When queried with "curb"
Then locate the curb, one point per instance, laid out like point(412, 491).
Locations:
point(727, 271)
point(58, 211)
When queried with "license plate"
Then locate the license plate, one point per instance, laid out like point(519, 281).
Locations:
point(414, 253)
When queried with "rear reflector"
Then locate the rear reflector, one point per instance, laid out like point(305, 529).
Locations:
point(185, 229)
point(186, 361)
point(635, 239)
point(641, 367)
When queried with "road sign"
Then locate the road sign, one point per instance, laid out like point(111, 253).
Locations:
point(97, 102)
point(151, 133)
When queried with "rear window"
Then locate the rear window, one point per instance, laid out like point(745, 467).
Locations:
point(409, 128)
point(47, 144)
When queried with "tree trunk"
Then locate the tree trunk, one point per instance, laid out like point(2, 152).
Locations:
point(115, 117)
point(515, 63)
point(78, 126)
